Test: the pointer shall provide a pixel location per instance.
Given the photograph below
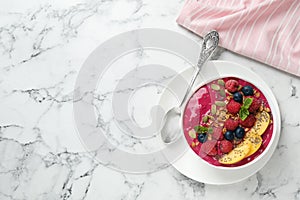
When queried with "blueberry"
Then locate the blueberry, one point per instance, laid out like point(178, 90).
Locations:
point(239, 132)
point(247, 90)
point(202, 137)
point(238, 97)
point(229, 135)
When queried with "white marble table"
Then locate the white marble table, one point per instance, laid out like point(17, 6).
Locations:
point(43, 45)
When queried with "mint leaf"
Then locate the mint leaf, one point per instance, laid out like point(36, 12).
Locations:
point(200, 129)
point(247, 102)
point(243, 113)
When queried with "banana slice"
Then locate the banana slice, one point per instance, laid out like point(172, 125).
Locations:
point(261, 124)
point(255, 142)
point(236, 155)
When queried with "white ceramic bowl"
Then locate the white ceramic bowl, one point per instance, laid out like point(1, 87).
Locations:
point(190, 164)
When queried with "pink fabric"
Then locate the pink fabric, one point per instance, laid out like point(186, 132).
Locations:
point(265, 30)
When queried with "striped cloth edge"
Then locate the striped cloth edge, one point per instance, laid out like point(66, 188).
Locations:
point(264, 30)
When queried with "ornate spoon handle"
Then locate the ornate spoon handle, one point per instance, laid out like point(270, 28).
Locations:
point(206, 52)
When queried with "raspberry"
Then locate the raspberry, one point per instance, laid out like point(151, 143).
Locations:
point(231, 85)
point(209, 148)
point(248, 122)
point(231, 124)
point(218, 134)
point(233, 107)
point(254, 105)
point(225, 146)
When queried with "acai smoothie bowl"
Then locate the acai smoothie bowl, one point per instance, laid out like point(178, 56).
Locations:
point(228, 122)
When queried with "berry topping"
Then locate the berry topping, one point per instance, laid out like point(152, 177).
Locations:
point(249, 121)
point(229, 135)
point(239, 132)
point(202, 137)
point(238, 97)
point(225, 120)
point(231, 124)
point(247, 90)
point(225, 146)
point(218, 133)
point(209, 148)
point(232, 85)
point(233, 107)
point(254, 105)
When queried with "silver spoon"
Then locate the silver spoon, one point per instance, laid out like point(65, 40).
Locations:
point(170, 132)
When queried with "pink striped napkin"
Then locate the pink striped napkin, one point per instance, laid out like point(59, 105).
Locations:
point(265, 30)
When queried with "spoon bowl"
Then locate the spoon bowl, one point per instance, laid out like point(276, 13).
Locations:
point(170, 119)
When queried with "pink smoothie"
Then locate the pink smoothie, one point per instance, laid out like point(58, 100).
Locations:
point(199, 105)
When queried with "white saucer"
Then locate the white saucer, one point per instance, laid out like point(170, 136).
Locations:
point(190, 164)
